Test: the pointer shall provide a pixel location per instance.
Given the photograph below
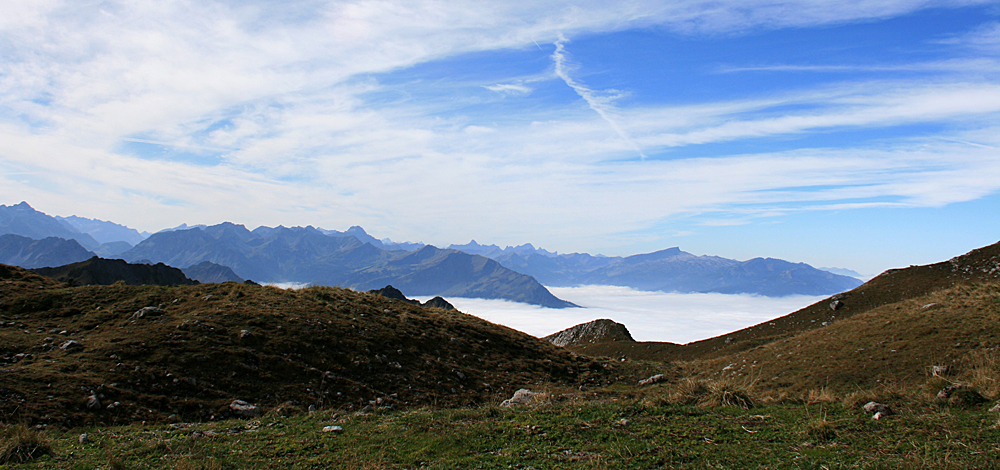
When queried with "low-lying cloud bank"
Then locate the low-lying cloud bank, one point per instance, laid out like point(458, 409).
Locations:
point(649, 316)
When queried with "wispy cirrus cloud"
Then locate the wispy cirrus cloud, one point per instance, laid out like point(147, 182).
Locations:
point(509, 89)
point(324, 103)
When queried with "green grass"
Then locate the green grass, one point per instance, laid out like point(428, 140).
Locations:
point(570, 432)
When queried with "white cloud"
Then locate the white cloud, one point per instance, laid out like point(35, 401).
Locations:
point(278, 94)
point(600, 102)
point(649, 316)
point(509, 89)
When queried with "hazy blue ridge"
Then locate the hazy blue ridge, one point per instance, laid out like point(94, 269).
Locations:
point(17, 250)
point(673, 270)
point(21, 219)
point(104, 231)
point(309, 255)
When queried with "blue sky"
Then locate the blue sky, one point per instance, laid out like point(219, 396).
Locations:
point(862, 136)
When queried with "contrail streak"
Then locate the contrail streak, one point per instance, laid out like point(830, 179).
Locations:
point(600, 105)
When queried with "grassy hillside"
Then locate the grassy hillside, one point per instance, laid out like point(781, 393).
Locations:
point(894, 345)
point(978, 267)
point(197, 348)
point(409, 387)
point(571, 431)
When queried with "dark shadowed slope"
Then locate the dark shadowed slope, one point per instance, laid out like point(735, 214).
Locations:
point(207, 271)
point(197, 348)
point(104, 272)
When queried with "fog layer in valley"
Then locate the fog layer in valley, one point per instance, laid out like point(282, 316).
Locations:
point(649, 316)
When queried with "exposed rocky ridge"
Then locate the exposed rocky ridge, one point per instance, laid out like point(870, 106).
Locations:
point(17, 250)
point(104, 272)
point(593, 332)
point(189, 351)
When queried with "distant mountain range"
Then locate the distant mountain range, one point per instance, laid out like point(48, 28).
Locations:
point(355, 259)
point(309, 255)
point(670, 270)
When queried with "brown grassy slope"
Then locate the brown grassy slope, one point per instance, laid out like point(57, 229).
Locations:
point(895, 285)
point(891, 345)
point(317, 346)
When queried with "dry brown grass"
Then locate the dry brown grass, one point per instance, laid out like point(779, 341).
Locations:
point(727, 392)
point(984, 372)
point(820, 396)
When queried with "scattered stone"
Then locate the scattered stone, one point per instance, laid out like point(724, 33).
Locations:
point(244, 334)
point(879, 415)
point(146, 311)
point(995, 407)
point(835, 305)
point(333, 429)
point(521, 397)
point(624, 422)
point(70, 345)
point(93, 403)
point(652, 380)
point(367, 409)
point(939, 371)
point(84, 438)
point(879, 409)
point(946, 392)
point(312, 409)
point(243, 409)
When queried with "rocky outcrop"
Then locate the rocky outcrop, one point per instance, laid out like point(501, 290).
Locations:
point(597, 331)
point(521, 397)
point(438, 302)
point(390, 292)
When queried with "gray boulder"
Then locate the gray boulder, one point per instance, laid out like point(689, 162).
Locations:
point(242, 409)
point(521, 397)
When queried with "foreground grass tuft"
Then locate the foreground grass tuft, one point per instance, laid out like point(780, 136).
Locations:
point(22, 444)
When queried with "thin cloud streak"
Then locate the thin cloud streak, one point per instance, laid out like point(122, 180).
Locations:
point(600, 104)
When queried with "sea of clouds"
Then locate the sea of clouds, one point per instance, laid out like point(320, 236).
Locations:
point(649, 316)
